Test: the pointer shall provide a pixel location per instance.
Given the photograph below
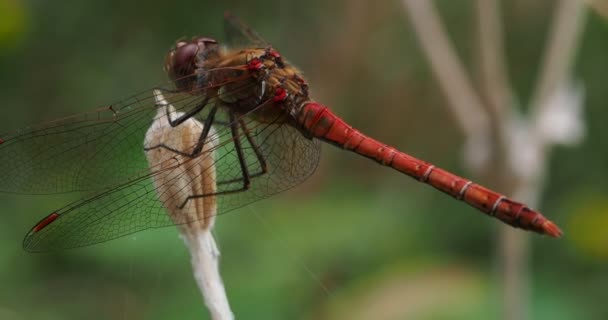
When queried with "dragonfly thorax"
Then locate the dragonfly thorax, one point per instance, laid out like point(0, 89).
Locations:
point(255, 79)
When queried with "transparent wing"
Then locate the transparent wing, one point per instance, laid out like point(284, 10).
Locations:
point(275, 155)
point(239, 34)
point(94, 150)
point(130, 180)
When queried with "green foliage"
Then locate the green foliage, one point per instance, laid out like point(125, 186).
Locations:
point(13, 23)
point(328, 248)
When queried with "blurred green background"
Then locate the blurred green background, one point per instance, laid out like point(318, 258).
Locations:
point(356, 241)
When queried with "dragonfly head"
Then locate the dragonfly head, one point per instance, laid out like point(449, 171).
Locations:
point(182, 61)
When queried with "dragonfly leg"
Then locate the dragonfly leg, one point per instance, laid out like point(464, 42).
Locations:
point(246, 178)
point(239, 151)
point(185, 116)
point(256, 150)
point(198, 148)
point(176, 122)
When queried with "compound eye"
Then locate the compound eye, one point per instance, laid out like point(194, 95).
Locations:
point(182, 62)
point(183, 58)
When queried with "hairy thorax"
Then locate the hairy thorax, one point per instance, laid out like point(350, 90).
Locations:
point(257, 82)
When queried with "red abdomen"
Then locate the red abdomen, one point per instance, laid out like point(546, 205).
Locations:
point(322, 124)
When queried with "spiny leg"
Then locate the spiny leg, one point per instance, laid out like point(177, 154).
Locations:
point(239, 151)
point(199, 108)
point(254, 145)
point(256, 150)
point(187, 115)
point(201, 140)
point(246, 178)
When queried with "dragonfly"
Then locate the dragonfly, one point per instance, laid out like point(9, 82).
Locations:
point(259, 133)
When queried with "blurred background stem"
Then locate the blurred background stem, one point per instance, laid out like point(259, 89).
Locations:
point(507, 150)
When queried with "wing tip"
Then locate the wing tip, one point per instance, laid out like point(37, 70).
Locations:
point(27, 242)
point(43, 223)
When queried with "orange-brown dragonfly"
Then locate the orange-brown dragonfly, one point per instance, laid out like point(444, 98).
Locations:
point(256, 108)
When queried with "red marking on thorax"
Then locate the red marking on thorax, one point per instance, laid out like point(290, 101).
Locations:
point(255, 64)
point(275, 54)
point(1, 141)
point(280, 95)
point(46, 221)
